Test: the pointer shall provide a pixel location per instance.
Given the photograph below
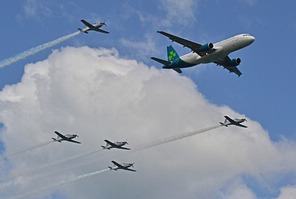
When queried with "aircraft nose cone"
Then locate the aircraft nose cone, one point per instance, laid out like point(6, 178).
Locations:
point(252, 38)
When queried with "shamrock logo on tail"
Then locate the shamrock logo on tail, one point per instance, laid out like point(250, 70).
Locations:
point(172, 55)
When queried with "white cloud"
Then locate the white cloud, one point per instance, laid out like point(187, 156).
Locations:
point(179, 12)
point(288, 192)
point(36, 8)
point(238, 190)
point(100, 95)
point(140, 49)
point(172, 13)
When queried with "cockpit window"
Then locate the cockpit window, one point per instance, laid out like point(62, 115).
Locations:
point(246, 35)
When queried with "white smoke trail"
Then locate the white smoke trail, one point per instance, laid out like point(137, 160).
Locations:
point(137, 149)
point(59, 162)
point(35, 50)
point(62, 183)
point(12, 180)
point(153, 144)
point(143, 147)
point(28, 149)
point(175, 138)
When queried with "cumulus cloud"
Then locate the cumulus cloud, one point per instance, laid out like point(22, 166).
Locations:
point(288, 192)
point(238, 190)
point(100, 95)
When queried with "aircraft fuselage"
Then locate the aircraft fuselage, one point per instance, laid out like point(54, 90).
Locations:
point(222, 49)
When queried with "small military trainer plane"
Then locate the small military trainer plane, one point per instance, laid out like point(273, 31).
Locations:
point(95, 27)
point(117, 145)
point(124, 166)
point(237, 122)
point(68, 137)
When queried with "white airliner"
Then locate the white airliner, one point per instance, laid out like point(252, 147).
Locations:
point(207, 53)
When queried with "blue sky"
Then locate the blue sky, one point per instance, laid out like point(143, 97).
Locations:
point(265, 92)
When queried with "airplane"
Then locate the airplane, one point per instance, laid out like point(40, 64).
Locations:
point(237, 122)
point(118, 145)
point(124, 166)
point(68, 137)
point(95, 27)
point(206, 53)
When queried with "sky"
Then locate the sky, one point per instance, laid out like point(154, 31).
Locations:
point(107, 87)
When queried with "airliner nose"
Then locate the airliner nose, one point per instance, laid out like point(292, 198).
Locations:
point(252, 38)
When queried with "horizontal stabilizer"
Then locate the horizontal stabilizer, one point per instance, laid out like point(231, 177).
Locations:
point(178, 70)
point(164, 62)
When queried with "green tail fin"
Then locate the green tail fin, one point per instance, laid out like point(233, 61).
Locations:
point(172, 54)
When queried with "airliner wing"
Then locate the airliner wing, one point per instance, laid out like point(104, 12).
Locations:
point(232, 69)
point(190, 44)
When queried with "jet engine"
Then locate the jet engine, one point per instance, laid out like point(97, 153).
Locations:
point(235, 62)
point(206, 47)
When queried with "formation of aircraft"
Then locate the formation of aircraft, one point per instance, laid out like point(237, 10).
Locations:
point(123, 166)
point(68, 137)
point(237, 122)
point(216, 53)
point(94, 27)
point(117, 145)
point(205, 53)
